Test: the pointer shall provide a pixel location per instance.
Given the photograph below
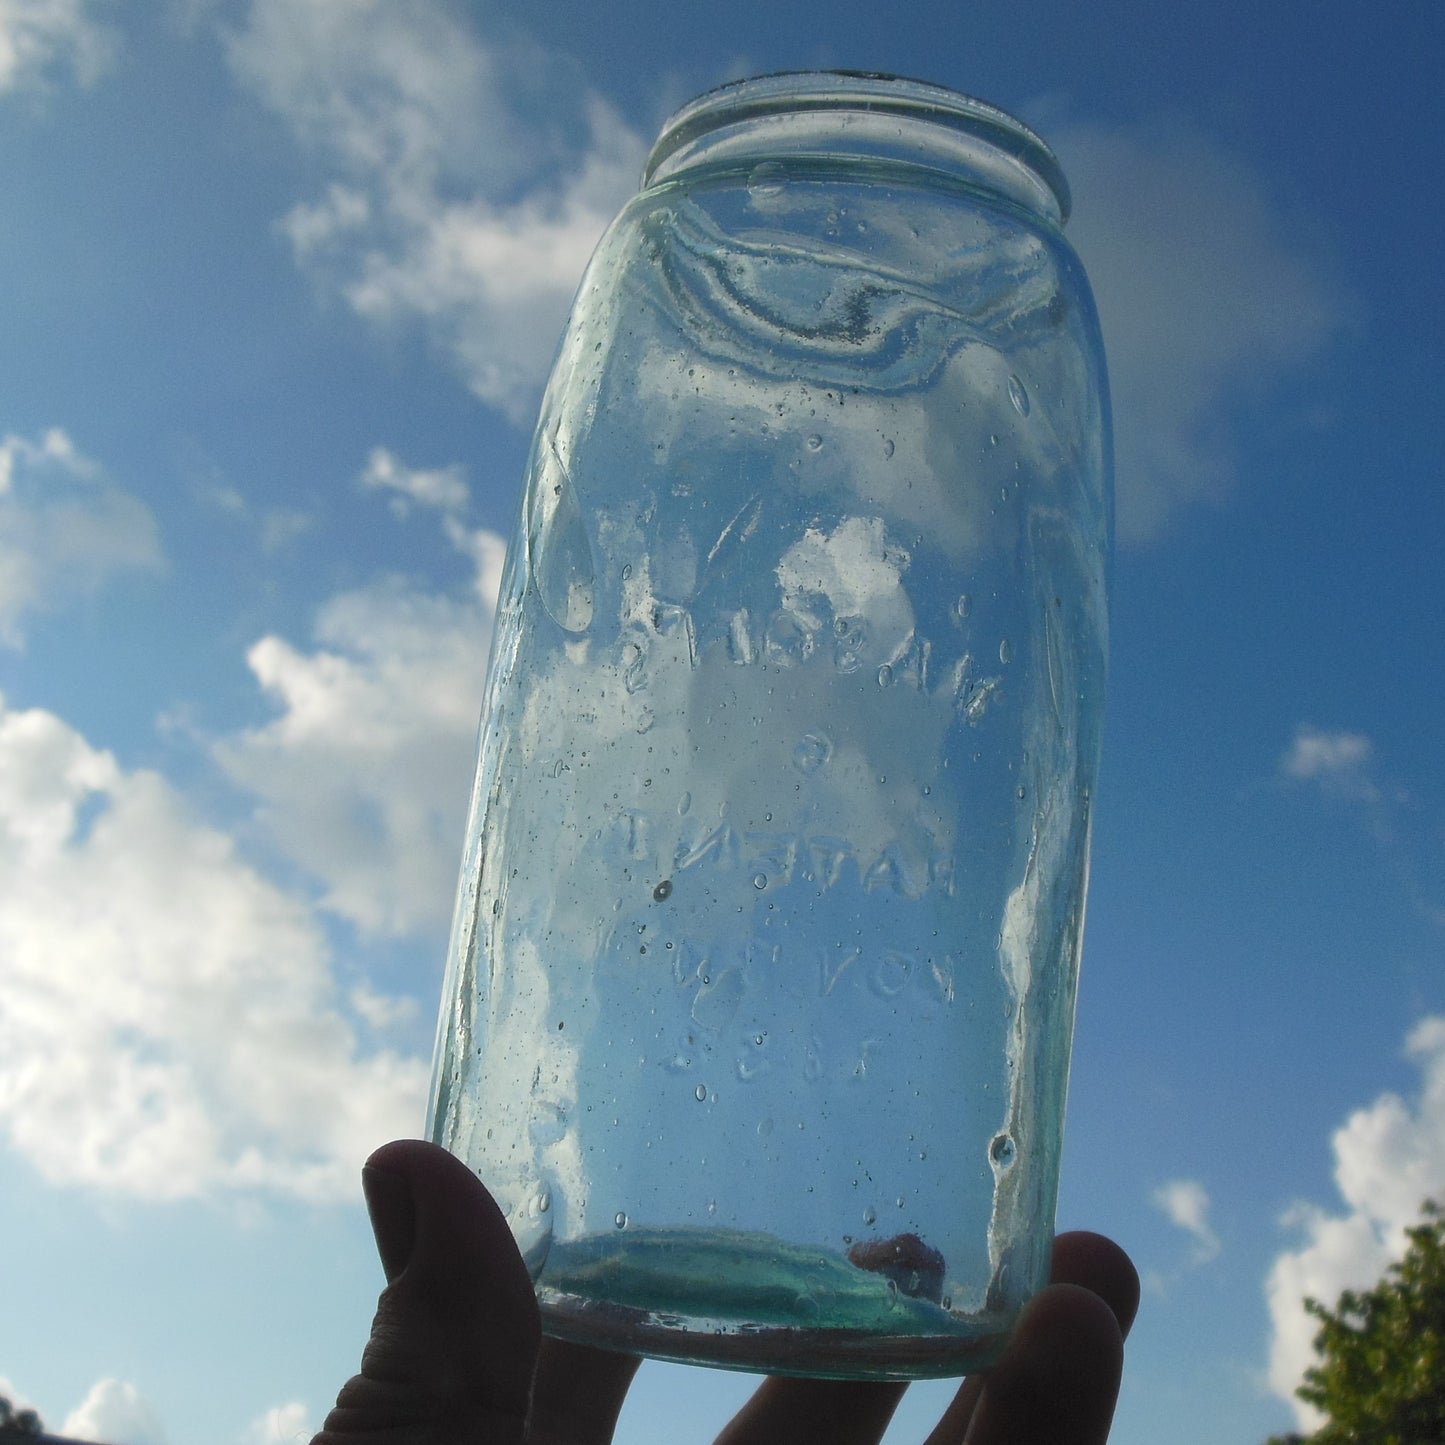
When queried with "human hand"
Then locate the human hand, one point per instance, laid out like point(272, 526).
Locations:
point(456, 1355)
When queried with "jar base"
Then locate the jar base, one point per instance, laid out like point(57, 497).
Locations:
point(752, 1302)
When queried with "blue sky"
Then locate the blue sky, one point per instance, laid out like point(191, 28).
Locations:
point(282, 279)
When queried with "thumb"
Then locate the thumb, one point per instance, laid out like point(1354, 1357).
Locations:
point(455, 1338)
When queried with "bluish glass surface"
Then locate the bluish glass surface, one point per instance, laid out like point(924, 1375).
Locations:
point(758, 1014)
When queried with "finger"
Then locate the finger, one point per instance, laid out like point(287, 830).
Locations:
point(1099, 1265)
point(578, 1394)
point(953, 1425)
point(800, 1412)
point(455, 1338)
point(784, 1410)
point(1079, 1258)
point(1059, 1377)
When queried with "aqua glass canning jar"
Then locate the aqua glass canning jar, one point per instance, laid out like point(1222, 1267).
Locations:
point(761, 987)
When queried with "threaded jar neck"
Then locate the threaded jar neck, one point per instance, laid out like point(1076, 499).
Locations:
point(848, 115)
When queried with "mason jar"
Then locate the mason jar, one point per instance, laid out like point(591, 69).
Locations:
point(761, 986)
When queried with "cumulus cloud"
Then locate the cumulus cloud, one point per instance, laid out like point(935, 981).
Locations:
point(1342, 767)
point(117, 1412)
point(381, 1010)
point(465, 187)
point(64, 528)
point(442, 487)
point(1338, 762)
point(1185, 1204)
point(1206, 302)
point(37, 36)
point(453, 197)
point(170, 1025)
point(364, 775)
point(1389, 1158)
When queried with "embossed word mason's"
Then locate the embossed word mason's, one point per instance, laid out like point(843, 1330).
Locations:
point(759, 1005)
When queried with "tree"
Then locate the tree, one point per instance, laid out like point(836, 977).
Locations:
point(1381, 1372)
point(18, 1424)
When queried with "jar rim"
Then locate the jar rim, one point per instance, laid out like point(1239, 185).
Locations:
point(781, 93)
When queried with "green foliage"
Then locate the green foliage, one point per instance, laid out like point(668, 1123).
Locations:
point(1381, 1371)
point(16, 1424)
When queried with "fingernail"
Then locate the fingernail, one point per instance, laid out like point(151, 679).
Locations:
point(393, 1217)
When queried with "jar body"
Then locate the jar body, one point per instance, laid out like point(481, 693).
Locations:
point(762, 979)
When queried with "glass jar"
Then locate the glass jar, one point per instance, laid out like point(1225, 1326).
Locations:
point(761, 988)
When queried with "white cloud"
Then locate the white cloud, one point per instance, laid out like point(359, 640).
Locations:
point(382, 1011)
point(1339, 762)
point(364, 776)
point(453, 199)
point(442, 487)
point(488, 552)
point(170, 1027)
point(64, 528)
point(1185, 1204)
point(854, 567)
point(1206, 301)
point(38, 35)
point(116, 1412)
point(1389, 1158)
point(287, 1424)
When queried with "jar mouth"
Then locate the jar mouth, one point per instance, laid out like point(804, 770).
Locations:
point(846, 113)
